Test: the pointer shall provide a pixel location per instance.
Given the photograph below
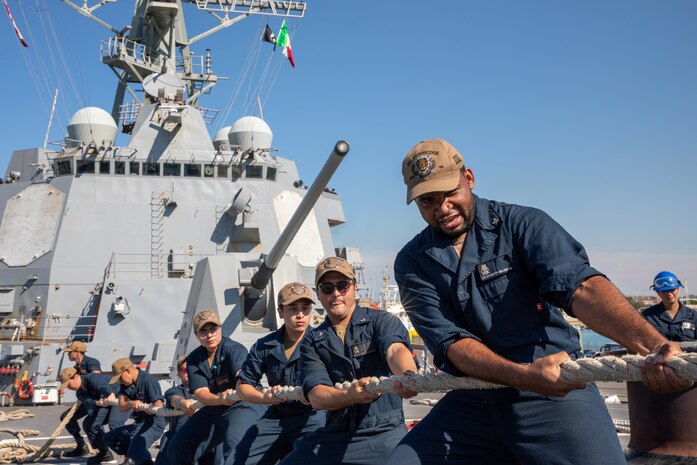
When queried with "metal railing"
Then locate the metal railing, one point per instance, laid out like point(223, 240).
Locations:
point(128, 50)
point(199, 64)
point(209, 114)
point(128, 114)
point(52, 328)
point(289, 9)
point(131, 264)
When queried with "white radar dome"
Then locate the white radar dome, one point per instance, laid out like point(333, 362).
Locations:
point(250, 132)
point(220, 141)
point(89, 125)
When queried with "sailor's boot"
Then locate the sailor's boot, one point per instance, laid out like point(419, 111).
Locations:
point(102, 456)
point(79, 450)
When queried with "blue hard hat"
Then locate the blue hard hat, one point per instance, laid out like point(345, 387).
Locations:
point(664, 281)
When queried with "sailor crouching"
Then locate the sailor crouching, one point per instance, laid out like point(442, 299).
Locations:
point(137, 387)
point(89, 389)
point(83, 364)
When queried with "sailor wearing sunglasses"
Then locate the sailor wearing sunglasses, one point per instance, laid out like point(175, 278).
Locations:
point(672, 319)
point(353, 343)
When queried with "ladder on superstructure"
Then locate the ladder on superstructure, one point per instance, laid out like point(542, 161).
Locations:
point(157, 233)
point(221, 247)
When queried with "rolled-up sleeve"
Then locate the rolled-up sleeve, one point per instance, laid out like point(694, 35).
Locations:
point(253, 368)
point(197, 378)
point(312, 371)
point(236, 354)
point(430, 314)
point(557, 260)
point(152, 390)
point(390, 330)
point(170, 393)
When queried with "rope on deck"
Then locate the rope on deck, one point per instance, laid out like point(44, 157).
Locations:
point(15, 415)
point(28, 453)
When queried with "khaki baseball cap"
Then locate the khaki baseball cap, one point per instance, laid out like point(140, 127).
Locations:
point(333, 264)
point(205, 317)
point(78, 346)
point(292, 292)
point(431, 166)
point(118, 367)
point(65, 376)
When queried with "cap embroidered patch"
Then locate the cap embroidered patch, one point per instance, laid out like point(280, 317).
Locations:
point(297, 289)
point(423, 165)
point(337, 264)
point(292, 292)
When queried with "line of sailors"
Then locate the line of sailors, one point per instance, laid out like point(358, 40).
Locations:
point(328, 426)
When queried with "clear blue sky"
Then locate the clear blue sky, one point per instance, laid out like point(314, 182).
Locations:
point(587, 110)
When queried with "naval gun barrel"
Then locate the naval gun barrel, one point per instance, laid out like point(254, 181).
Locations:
point(263, 275)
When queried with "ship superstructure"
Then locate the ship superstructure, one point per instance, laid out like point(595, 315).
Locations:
point(114, 245)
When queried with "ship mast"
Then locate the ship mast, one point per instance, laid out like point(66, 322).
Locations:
point(157, 42)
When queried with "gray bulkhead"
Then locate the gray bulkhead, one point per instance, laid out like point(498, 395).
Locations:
point(119, 272)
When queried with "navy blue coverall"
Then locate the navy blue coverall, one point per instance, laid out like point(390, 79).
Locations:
point(362, 433)
point(96, 386)
point(273, 436)
point(173, 425)
point(517, 268)
point(213, 425)
point(88, 365)
point(135, 439)
point(680, 329)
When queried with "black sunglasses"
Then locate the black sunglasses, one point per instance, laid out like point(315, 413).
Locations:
point(341, 286)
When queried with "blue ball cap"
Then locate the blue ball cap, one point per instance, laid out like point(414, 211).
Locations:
point(665, 281)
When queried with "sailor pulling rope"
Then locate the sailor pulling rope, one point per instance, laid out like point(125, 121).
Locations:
point(608, 368)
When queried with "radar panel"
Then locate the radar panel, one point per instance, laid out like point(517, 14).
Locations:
point(29, 224)
point(163, 86)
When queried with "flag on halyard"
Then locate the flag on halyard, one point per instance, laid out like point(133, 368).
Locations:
point(268, 36)
point(283, 41)
point(19, 34)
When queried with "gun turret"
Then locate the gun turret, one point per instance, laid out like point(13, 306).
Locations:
point(261, 278)
point(254, 303)
point(245, 304)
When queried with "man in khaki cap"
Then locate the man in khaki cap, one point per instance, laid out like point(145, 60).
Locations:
point(137, 387)
point(483, 285)
point(277, 356)
point(352, 344)
point(84, 364)
point(89, 389)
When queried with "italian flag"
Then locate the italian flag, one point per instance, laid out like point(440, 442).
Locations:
point(284, 42)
